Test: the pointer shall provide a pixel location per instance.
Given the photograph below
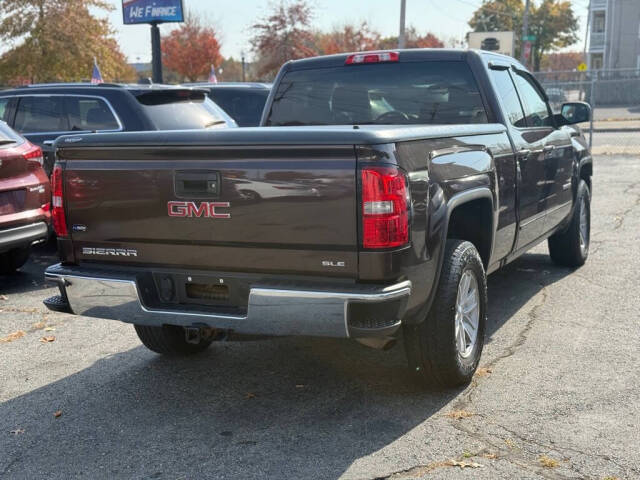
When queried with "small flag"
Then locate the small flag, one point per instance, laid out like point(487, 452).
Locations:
point(96, 76)
point(212, 75)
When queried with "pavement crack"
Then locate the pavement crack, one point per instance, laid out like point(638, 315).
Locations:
point(620, 218)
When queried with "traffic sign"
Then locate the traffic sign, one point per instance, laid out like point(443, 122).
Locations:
point(582, 67)
point(529, 38)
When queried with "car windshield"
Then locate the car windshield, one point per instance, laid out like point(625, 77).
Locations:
point(177, 110)
point(245, 105)
point(418, 93)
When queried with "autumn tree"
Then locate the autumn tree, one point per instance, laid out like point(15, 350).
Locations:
point(57, 40)
point(191, 49)
point(284, 34)
point(413, 39)
point(552, 22)
point(561, 62)
point(347, 38)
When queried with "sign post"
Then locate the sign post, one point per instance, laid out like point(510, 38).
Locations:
point(153, 12)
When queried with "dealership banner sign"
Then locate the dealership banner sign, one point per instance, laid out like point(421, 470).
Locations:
point(152, 11)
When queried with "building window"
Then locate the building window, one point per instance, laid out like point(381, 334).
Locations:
point(596, 61)
point(598, 22)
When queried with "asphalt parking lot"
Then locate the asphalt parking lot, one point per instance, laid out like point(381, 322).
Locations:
point(558, 394)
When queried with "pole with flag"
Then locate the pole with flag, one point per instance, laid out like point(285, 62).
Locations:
point(96, 76)
point(212, 75)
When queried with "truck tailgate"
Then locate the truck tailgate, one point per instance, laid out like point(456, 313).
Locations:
point(257, 208)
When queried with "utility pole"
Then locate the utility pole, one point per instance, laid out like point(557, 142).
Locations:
point(525, 32)
point(401, 36)
point(243, 68)
point(156, 54)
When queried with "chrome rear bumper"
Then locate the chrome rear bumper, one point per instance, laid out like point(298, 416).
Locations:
point(270, 310)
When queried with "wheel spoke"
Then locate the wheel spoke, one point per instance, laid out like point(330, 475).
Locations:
point(467, 313)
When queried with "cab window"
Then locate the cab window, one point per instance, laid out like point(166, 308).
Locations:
point(535, 106)
point(39, 114)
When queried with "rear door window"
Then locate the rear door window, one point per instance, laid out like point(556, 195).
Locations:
point(89, 114)
point(243, 104)
point(41, 114)
point(4, 108)
point(509, 97)
point(417, 93)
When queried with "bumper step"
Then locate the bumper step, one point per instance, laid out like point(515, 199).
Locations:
point(57, 304)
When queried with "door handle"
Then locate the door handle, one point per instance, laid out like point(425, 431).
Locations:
point(523, 154)
point(549, 148)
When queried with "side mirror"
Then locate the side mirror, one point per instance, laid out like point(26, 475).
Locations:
point(575, 112)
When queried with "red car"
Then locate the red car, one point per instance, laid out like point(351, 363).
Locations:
point(25, 198)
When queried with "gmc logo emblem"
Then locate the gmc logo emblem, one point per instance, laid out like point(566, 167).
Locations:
point(191, 209)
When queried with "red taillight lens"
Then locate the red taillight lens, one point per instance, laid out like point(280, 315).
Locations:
point(385, 208)
point(372, 57)
point(34, 154)
point(57, 214)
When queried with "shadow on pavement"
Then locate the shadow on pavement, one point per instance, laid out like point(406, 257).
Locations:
point(31, 276)
point(284, 408)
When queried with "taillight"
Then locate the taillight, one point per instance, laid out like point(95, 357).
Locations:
point(34, 154)
point(385, 208)
point(57, 214)
point(372, 57)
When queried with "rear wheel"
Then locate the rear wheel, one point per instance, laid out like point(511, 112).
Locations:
point(445, 348)
point(570, 248)
point(12, 260)
point(171, 340)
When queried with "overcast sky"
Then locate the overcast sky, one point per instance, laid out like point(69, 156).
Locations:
point(233, 19)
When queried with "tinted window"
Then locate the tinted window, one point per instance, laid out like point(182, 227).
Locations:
point(168, 111)
point(89, 114)
point(40, 114)
point(386, 93)
point(243, 104)
point(7, 135)
point(509, 97)
point(4, 112)
point(535, 107)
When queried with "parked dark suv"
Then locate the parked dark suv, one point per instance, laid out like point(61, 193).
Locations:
point(243, 101)
point(42, 113)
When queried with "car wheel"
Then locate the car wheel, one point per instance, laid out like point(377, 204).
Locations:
point(445, 349)
point(14, 259)
point(170, 340)
point(570, 248)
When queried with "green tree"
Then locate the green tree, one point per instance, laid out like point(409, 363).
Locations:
point(57, 40)
point(553, 22)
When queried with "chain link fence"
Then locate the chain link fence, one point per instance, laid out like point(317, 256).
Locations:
point(614, 96)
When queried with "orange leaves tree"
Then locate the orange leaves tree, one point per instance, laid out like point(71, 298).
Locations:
point(348, 38)
point(285, 34)
point(56, 40)
point(191, 49)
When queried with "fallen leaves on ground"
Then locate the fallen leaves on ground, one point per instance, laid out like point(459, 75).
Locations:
point(49, 329)
point(13, 336)
point(4, 297)
point(548, 462)
point(58, 413)
point(490, 456)
point(250, 395)
point(48, 339)
point(459, 414)
point(483, 372)
point(300, 386)
point(462, 464)
point(39, 325)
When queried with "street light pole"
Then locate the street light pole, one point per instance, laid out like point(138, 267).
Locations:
point(401, 36)
point(525, 32)
point(156, 54)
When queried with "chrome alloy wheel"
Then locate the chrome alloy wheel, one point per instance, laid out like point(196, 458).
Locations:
point(584, 225)
point(467, 313)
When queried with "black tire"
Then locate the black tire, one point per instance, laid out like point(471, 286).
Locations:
point(569, 248)
point(169, 340)
point(14, 259)
point(431, 346)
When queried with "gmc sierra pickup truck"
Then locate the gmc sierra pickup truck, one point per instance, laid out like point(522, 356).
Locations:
point(379, 191)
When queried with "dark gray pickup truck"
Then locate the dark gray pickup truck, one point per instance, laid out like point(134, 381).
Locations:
point(380, 190)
